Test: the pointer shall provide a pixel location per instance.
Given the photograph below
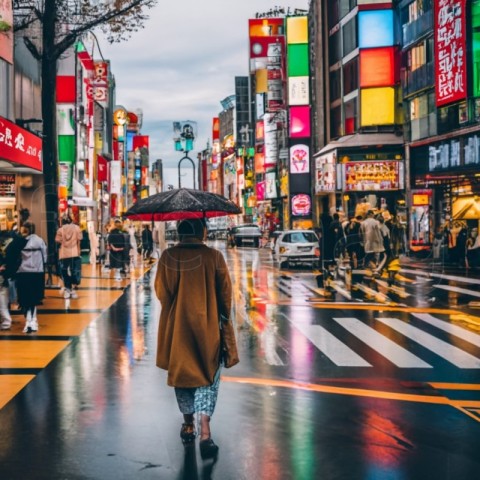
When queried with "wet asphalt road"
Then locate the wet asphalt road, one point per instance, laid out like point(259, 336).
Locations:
point(382, 386)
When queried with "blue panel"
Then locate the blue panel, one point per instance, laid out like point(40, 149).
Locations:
point(375, 28)
point(130, 136)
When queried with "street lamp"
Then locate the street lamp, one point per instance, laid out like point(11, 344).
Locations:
point(184, 137)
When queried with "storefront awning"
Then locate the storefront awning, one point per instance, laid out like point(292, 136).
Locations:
point(362, 140)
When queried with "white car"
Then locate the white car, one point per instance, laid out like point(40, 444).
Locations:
point(294, 247)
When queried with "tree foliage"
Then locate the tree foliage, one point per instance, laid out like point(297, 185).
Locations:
point(118, 19)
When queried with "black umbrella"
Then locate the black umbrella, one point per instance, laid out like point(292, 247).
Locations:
point(180, 204)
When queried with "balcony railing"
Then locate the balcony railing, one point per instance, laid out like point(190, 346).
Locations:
point(419, 79)
point(414, 30)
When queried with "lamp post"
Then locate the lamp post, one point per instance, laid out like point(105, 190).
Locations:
point(185, 133)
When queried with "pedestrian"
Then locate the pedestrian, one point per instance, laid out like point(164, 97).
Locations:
point(336, 236)
point(116, 246)
point(372, 242)
point(30, 277)
point(195, 290)
point(353, 240)
point(147, 242)
point(68, 237)
point(5, 317)
point(132, 238)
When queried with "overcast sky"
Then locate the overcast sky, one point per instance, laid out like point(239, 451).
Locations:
point(181, 65)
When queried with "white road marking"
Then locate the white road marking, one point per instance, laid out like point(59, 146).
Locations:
point(451, 288)
point(449, 352)
point(442, 276)
point(460, 332)
point(389, 349)
point(330, 346)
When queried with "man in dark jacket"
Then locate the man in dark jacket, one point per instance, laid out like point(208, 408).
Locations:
point(117, 246)
point(147, 242)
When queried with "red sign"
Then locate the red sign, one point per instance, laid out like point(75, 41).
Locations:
point(450, 51)
point(102, 172)
point(140, 141)
point(216, 128)
point(301, 205)
point(20, 146)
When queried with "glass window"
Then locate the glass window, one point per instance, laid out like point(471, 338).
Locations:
point(333, 13)
point(350, 36)
point(350, 116)
point(350, 76)
point(336, 122)
point(419, 107)
point(335, 85)
point(335, 47)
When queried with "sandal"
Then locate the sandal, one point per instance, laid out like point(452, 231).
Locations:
point(208, 448)
point(187, 432)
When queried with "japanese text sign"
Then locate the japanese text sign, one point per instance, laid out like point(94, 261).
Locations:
point(20, 146)
point(450, 51)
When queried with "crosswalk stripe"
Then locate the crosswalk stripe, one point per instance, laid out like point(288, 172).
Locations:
point(452, 354)
point(383, 345)
point(330, 346)
point(451, 288)
point(460, 332)
point(442, 276)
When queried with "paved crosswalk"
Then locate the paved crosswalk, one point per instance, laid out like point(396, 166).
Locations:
point(400, 341)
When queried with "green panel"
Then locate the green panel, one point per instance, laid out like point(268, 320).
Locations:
point(476, 47)
point(297, 60)
point(66, 148)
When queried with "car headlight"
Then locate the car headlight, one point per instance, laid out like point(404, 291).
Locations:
point(282, 249)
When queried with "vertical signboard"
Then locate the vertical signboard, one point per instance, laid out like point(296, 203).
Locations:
point(450, 51)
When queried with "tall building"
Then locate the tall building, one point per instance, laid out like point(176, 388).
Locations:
point(440, 57)
point(361, 166)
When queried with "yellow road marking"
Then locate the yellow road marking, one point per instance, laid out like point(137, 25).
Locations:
point(10, 385)
point(455, 386)
point(358, 392)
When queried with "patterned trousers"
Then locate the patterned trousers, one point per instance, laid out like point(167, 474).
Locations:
point(200, 400)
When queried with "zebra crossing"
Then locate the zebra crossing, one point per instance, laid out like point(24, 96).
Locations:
point(399, 341)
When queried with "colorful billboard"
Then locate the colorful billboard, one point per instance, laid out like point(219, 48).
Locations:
point(300, 122)
point(450, 51)
point(372, 176)
point(301, 205)
point(375, 28)
point(325, 173)
point(378, 67)
point(378, 106)
point(299, 159)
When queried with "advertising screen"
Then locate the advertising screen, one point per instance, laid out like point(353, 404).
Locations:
point(375, 28)
point(301, 205)
point(378, 106)
point(300, 122)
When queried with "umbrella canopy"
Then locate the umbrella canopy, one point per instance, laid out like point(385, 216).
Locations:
point(181, 204)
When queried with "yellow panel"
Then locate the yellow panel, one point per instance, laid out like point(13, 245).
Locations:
point(377, 106)
point(261, 84)
point(297, 30)
point(29, 353)
point(10, 385)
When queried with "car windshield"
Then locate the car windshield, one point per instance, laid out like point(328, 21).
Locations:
point(300, 237)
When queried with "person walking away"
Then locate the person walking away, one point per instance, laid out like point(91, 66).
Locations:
point(337, 236)
point(372, 240)
point(68, 237)
point(132, 238)
point(353, 240)
point(116, 246)
point(147, 242)
point(5, 317)
point(30, 277)
point(194, 287)
point(386, 255)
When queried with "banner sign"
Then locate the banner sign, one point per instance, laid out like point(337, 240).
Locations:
point(100, 83)
point(325, 173)
point(299, 159)
point(20, 146)
point(115, 177)
point(372, 176)
point(450, 51)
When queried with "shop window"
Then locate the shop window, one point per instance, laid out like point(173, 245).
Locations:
point(350, 76)
point(333, 13)
point(350, 36)
point(335, 85)
point(448, 119)
point(336, 122)
point(419, 107)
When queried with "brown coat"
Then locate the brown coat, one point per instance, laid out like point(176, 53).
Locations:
point(193, 284)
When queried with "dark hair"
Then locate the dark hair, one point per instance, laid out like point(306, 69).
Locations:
point(30, 227)
point(192, 228)
point(66, 220)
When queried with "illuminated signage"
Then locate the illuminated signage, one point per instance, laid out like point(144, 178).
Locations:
point(299, 159)
point(301, 205)
point(325, 173)
point(372, 176)
point(450, 51)
point(375, 28)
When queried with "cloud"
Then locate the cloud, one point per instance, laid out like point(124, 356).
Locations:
point(181, 64)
